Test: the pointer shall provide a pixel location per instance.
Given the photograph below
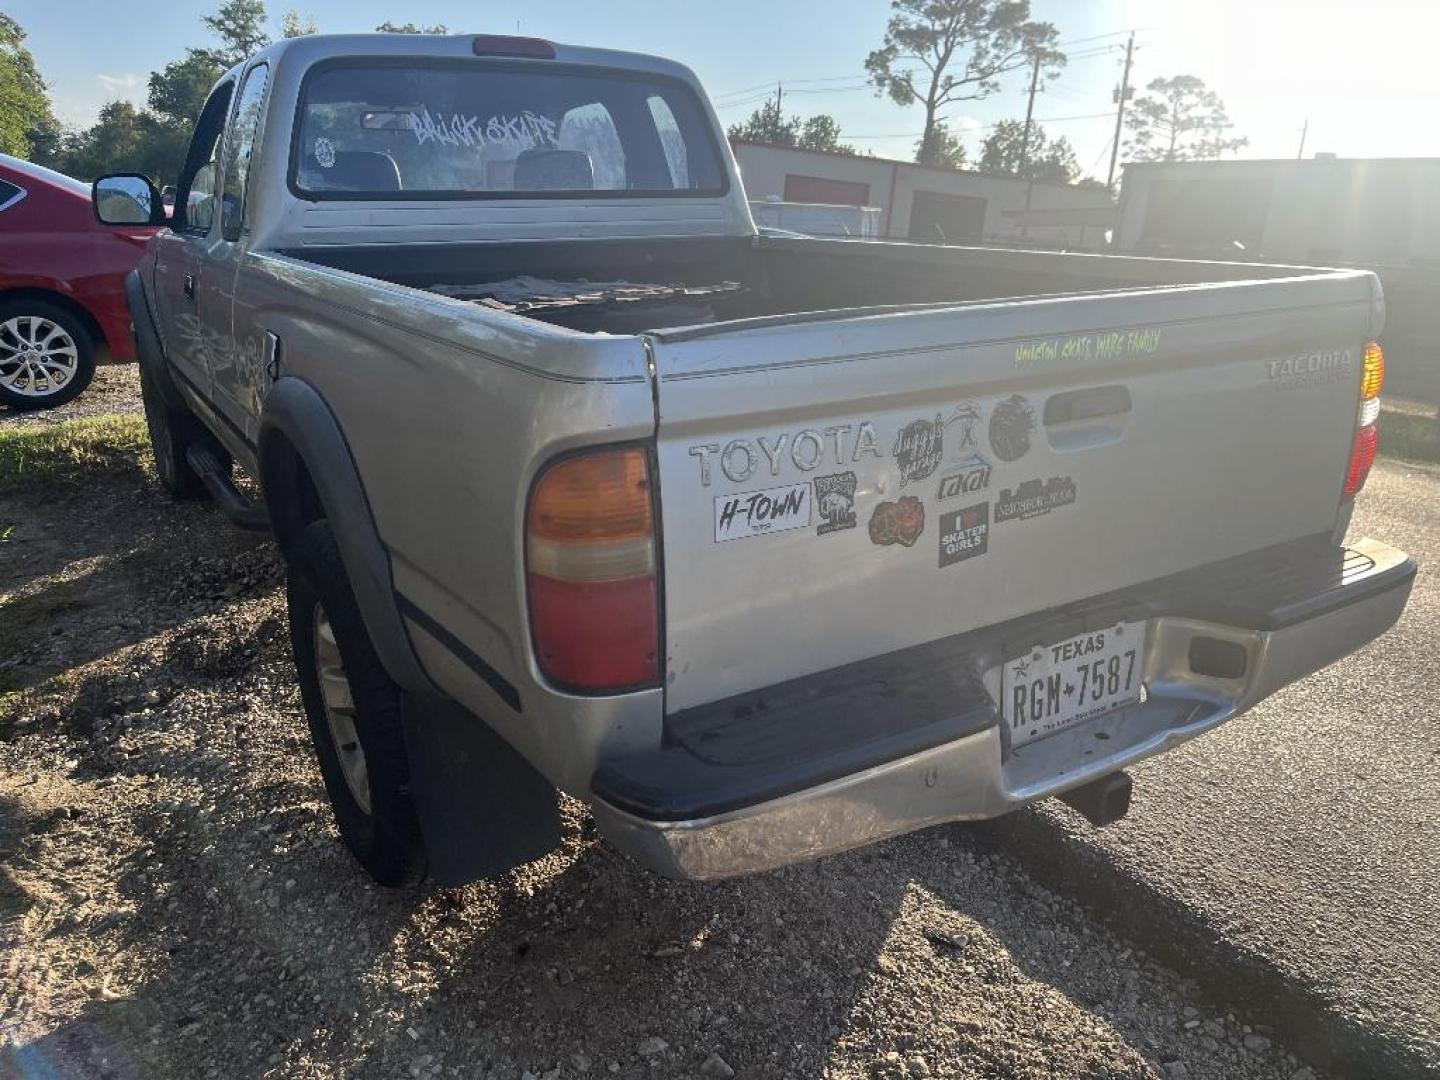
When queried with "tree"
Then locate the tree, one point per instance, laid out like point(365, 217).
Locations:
point(944, 148)
point(114, 142)
point(388, 27)
point(938, 52)
point(179, 90)
point(25, 116)
point(293, 24)
point(821, 132)
point(240, 25)
point(1179, 119)
point(1006, 153)
point(768, 124)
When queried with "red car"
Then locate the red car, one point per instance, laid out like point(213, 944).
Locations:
point(62, 295)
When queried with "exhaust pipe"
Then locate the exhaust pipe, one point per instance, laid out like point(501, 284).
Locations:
point(1102, 801)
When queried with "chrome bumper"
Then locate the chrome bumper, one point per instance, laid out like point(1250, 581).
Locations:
point(974, 777)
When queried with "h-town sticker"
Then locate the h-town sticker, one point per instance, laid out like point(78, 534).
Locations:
point(754, 513)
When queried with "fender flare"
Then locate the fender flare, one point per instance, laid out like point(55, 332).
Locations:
point(149, 351)
point(298, 428)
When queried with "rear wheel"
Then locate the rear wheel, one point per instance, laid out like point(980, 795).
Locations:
point(354, 710)
point(47, 356)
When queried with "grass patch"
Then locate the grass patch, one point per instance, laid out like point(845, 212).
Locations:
point(1410, 435)
point(72, 451)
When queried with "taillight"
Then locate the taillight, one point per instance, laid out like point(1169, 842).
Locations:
point(590, 569)
point(502, 45)
point(1367, 433)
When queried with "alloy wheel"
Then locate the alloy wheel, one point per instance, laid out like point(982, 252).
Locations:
point(339, 705)
point(38, 356)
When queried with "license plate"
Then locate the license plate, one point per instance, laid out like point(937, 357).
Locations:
point(1056, 686)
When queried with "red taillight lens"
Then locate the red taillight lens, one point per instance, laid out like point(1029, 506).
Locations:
point(501, 45)
point(1362, 456)
point(590, 567)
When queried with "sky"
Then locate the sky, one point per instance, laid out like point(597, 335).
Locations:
point(1361, 74)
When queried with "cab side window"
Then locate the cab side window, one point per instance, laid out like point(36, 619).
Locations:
point(239, 144)
point(197, 191)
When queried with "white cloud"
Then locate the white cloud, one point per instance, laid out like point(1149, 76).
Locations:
point(121, 86)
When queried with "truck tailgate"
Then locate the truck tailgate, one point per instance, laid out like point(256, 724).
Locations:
point(836, 487)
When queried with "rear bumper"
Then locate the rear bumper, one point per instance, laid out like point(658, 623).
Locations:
point(695, 808)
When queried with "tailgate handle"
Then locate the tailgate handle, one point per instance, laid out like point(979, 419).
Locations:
point(1087, 404)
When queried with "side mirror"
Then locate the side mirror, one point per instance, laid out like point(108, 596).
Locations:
point(127, 199)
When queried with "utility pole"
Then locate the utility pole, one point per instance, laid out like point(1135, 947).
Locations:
point(1303, 132)
point(1121, 97)
point(1025, 147)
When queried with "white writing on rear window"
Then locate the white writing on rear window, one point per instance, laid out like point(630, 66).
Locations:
point(526, 129)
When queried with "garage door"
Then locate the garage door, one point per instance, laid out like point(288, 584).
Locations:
point(820, 189)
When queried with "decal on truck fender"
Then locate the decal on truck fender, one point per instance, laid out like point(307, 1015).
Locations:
point(1108, 345)
point(806, 450)
point(964, 533)
point(919, 447)
point(835, 496)
point(1032, 498)
point(968, 415)
point(974, 475)
point(899, 522)
point(1012, 423)
point(753, 513)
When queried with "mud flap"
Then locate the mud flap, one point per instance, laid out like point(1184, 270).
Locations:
point(483, 809)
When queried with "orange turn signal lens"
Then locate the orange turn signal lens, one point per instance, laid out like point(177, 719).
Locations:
point(590, 571)
point(593, 497)
point(1372, 379)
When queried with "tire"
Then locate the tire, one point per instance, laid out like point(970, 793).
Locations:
point(172, 432)
point(39, 342)
point(361, 748)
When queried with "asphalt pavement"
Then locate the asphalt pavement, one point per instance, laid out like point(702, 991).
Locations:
point(1290, 861)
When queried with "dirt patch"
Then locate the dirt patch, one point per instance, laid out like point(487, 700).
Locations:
point(115, 389)
point(174, 899)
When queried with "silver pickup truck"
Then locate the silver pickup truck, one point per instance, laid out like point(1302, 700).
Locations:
point(762, 547)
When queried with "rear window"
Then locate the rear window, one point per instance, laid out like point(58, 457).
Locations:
point(383, 131)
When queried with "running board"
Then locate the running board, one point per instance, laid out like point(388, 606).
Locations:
point(235, 506)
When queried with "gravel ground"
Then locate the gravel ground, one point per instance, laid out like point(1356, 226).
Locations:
point(174, 900)
point(1305, 835)
point(115, 388)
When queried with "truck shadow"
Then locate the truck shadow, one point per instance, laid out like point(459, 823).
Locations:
point(221, 963)
point(125, 568)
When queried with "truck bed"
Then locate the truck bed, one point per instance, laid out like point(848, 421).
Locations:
point(723, 279)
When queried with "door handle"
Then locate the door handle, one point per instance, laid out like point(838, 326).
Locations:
point(1088, 404)
point(1081, 419)
point(190, 286)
